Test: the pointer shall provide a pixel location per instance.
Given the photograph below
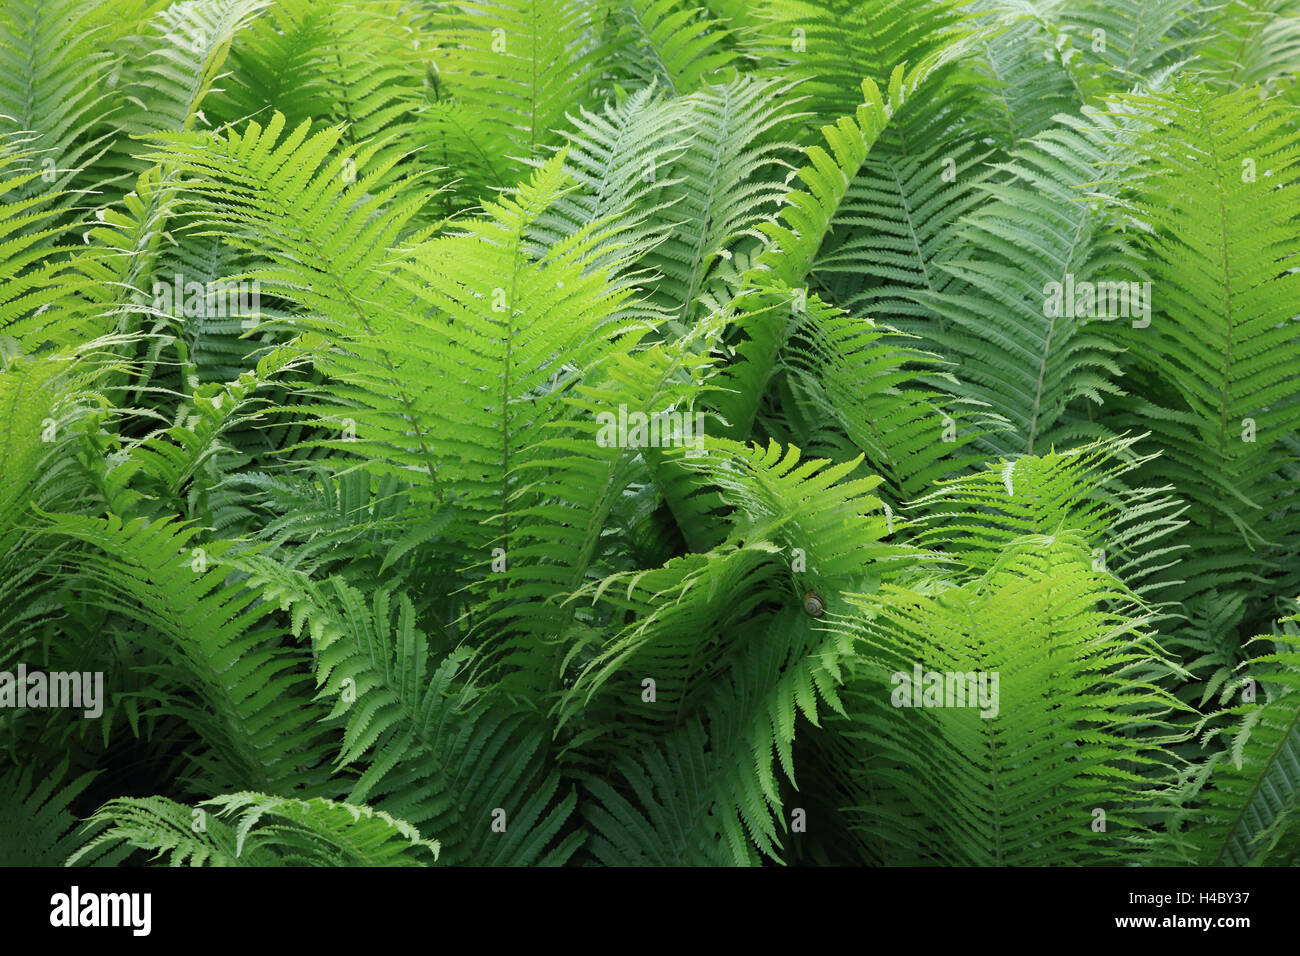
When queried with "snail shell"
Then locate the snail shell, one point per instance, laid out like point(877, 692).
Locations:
point(813, 604)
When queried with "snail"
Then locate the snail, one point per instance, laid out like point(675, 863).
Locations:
point(813, 604)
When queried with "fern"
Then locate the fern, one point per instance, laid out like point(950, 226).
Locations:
point(1222, 337)
point(1243, 799)
point(259, 830)
point(1023, 773)
point(41, 825)
point(1024, 350)
point(621, 396)
point(668, 42)
point(217, 644)
point(511, 69)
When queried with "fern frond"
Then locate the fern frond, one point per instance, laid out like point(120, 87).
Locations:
point(40, 829)
point(1071, 727)
point(834, 45)
point(658, 813)
point(1218, 363)
point(793, 242)
point(1238, 807)
point(178, 60)
point(1088, 490)
point(435, 750)
point(254, 829)
point(511, 69)
point(57, 61)
point(670, 43)
point(248, 687)
point(1017, 323)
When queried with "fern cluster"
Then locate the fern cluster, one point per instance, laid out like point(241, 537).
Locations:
point(649, 432)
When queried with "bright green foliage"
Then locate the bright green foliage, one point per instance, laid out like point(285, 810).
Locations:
point(558, 432)
point(1220, 390)
point(1076, 722)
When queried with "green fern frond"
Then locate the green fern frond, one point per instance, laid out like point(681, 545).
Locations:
point(1238, 807)
point(511, 69)
point(836, 365)
point(1017, 323)
point(1134, 38)
point(40, 827)
point(670, 43)
point(1090, 490)
point(1070, 728)
point(833, 45)
point(247, 682)
point(435, 751)
point(658, 813)
point(723, 184)
point(618, 159)
point(57, 60)
point(793, 242)
point(254, 829)
point(1221, 353)
point(179, 59)
point(1251, 43)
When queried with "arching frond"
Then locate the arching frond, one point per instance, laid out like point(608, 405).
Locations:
point(254, 829)
point(247, 683)
point(1043, 272)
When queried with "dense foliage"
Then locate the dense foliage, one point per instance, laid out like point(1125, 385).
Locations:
point(516, 432)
